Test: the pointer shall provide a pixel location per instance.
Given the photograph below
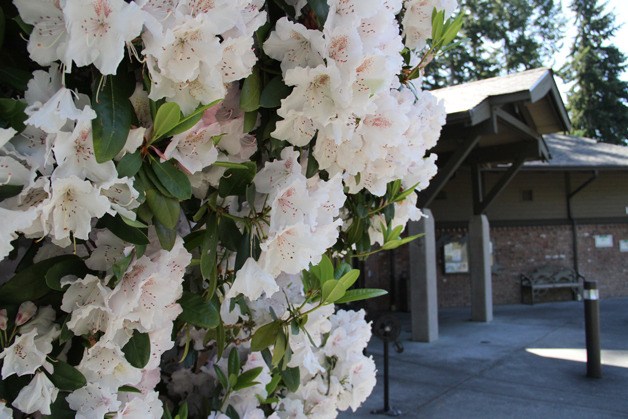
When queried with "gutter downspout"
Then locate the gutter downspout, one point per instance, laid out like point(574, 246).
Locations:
point(569, 196)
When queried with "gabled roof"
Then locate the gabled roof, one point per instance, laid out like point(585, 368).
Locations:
point(471, 102)
point(579, 153)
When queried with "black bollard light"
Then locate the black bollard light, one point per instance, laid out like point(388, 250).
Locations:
point(592, 329)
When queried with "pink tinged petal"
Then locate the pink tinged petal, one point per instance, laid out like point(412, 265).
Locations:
point(25, 312)
point(3, 319)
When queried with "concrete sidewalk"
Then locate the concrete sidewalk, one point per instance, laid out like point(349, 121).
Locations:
point(528, 363)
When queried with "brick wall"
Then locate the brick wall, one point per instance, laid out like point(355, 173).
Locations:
point(516, 250)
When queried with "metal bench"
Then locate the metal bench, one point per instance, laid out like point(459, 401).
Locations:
point(545, 278)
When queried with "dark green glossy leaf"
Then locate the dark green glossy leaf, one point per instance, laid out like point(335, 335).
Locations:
point(122, 230)
point(114, 113)
point(167, 117)
point(30, 283)
point(320, 9)
point(15, 77)
point(129, 164)
point(251, 91)
point(167, 236)
point(235, 181)
point(291, 378)
point(265, 336)
point(229, 234)
point(250, 120)
point(71, 266)
point(273, 92)
point(67, 378)
point(234, 362)
point(189, 121)
point(221, 377)
point(8, 191)
point(175, 181)
point(247, 378)
point(120, 267)
point(198, 312)
point(166, 210)
point(137, 349)
point(12, 113)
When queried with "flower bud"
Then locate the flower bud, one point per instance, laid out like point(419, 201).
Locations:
point(26, 311)
point(3, 319)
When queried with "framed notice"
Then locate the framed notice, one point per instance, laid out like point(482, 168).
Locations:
point(623, 246)
point(456, 258)
point(604, 240)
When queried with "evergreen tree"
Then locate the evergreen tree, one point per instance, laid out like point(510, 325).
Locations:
point(498, 37)
point(598, 99)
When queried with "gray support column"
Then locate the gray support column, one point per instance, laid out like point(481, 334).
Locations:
point(480, 269)
point(423, 298)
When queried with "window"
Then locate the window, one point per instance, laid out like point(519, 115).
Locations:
point(527, 195)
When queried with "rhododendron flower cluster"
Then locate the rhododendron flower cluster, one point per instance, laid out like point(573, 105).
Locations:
point(184, 187)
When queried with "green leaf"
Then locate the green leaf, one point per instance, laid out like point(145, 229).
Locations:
point(279, 350)
point(30, 283)
point(235, 181)
point(273, 92)
point(320, 9)
point(343, 268)
point(137, 349)
point(65, 377)
point(229, 234)
point(60, 409)
point(291, 378)
point(129, 164)
point(330, 292)
point(209, 248)
point(122, 230)
point(403, 195)
point(175, 181)
point(348, 279)
point(166, 236)
point(15, 77)
point(265, 336)
point(120, 267)
point(198, 312)
point(183, 411)
point(12, 113)
point(361, 294)
point(190, 120)
point(272, 385)
point(128, 389)
point(393, 244)
point(9, 191)
point(234, 362)
point(167, 117)
point(73, 266)
point(250, 120)
point(133, 223)
point(114, 115)
point(251, 90)
point(246, 379)
point(221, 377)
point(166, 210)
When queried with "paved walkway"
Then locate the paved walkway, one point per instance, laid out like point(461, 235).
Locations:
point(529, 362)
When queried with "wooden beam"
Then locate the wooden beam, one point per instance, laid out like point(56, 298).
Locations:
point(517, 124)
point(481, 207)
point(508, 152)
point(443, 175)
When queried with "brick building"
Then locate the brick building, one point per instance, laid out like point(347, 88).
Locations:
point(536, 198)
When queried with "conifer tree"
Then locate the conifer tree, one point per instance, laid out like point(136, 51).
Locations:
point(500, 37)
point(598, 98)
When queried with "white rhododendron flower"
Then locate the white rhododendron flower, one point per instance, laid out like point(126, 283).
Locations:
point(23, 356)
point(300, 139)
point(37, 396)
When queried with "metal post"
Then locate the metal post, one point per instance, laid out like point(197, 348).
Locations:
point(592, 329)
point(386, 389)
